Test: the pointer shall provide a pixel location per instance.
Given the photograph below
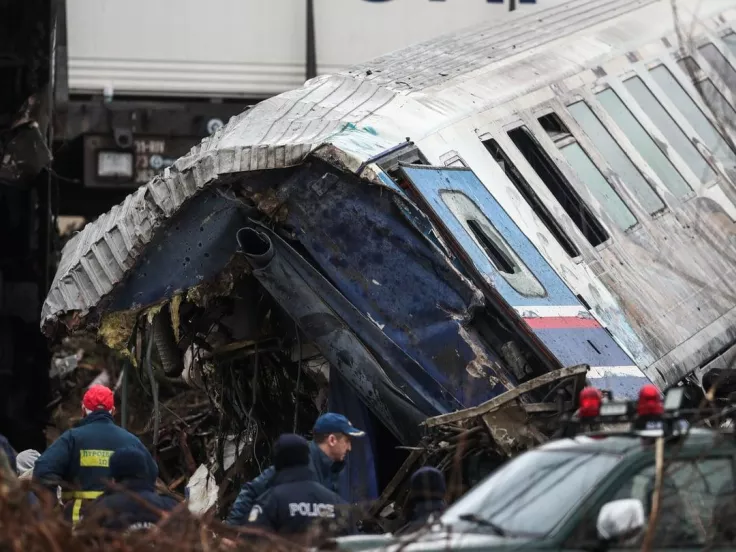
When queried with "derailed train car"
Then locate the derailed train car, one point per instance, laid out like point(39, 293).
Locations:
point(445, 223)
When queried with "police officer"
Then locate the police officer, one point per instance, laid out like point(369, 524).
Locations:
point(80, 457)
point(296, 499)
point(331, 442)
point(124, 507)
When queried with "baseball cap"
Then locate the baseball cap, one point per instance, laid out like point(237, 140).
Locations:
point(336, 423)
point(98, 397)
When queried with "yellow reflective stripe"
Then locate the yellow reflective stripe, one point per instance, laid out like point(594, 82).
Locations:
point(84, 495)
point(76, 510)
point(95, 458)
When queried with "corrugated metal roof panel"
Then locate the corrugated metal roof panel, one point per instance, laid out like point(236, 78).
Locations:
point(434, 62)
point(278, 132)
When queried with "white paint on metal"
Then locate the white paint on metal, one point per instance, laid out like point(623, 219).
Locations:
point(598, 372)
point(380, 326)
point(552, 311)
point(662, 289)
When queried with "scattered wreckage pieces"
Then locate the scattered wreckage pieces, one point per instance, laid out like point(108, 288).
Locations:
point(502, 426)
point(512, 394)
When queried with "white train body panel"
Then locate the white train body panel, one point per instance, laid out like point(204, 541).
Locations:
point(656, 260)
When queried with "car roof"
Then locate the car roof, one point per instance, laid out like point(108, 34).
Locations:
point(629, 442)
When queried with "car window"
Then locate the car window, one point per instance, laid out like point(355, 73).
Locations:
point(534, 493)
point(695, 508)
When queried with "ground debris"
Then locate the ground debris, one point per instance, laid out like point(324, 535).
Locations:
point(187, 420)
point(42, 528)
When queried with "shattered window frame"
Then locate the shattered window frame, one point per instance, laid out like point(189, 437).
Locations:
point(522, 186)
point(692, 112)
point(588, 173)
point(615, 155)
point(705, 86)
point(577, 209)
point(646, 97)
point(492, 244)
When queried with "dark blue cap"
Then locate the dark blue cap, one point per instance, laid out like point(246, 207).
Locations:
point(336, 423)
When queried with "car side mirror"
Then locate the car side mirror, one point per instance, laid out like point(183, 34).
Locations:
point(620, 520)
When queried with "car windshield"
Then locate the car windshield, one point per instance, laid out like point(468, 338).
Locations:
point(531, 494)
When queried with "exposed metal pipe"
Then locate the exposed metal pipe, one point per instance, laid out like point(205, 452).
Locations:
point(311, 42)
point(163, 335)
point(154, 390)
point(124, 412)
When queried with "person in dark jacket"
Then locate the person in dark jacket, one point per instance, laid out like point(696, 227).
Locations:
point(9, 452)
point(426, 498)
point(330, 444)
point(123, 507)
point(296, 499)
point(79, 460)
point(9, 467)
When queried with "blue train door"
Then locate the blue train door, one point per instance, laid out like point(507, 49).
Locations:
point(503, 255)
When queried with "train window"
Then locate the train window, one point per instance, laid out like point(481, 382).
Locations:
point(587, 172)
point(690, 110)
point(526, 191)
point(489, 240)
point(558, 185)
point(598, 185)
point(674, 135)
point(711, 95)
point(730, 40)
point(616, 157)
point(719, 64)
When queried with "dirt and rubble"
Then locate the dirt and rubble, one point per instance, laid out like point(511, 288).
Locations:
point(220, 434)
point(42, 528)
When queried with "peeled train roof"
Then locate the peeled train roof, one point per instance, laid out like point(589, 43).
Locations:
point(283, 130)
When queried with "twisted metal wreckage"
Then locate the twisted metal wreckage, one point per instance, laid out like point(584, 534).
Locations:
point(300, 255)
point(339, 286)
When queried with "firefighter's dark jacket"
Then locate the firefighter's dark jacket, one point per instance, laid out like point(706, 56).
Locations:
point(121, 509)
point(326, 472)
point(295, 500)
point(80, 457)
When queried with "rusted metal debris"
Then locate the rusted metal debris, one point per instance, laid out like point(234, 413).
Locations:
point(501, 427)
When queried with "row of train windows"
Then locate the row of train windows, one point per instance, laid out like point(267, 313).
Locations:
point(651, 148)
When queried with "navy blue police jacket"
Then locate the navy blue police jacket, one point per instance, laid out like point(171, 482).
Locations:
point(295, 500)
point(326, 471)
point(80, 457)
point(121, 509)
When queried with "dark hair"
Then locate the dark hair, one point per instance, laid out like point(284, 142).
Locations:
point(320, 438)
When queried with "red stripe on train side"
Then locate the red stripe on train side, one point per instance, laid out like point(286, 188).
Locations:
point(561, 323)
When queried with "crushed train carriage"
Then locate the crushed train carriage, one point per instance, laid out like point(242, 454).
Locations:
point(446, 223)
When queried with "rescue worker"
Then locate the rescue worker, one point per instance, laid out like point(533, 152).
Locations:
point(9, 468)
point(331, 441)
point(124, 507)
point(426, 498)
point(296, 499)
point(79, 460)
point(8, 451)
